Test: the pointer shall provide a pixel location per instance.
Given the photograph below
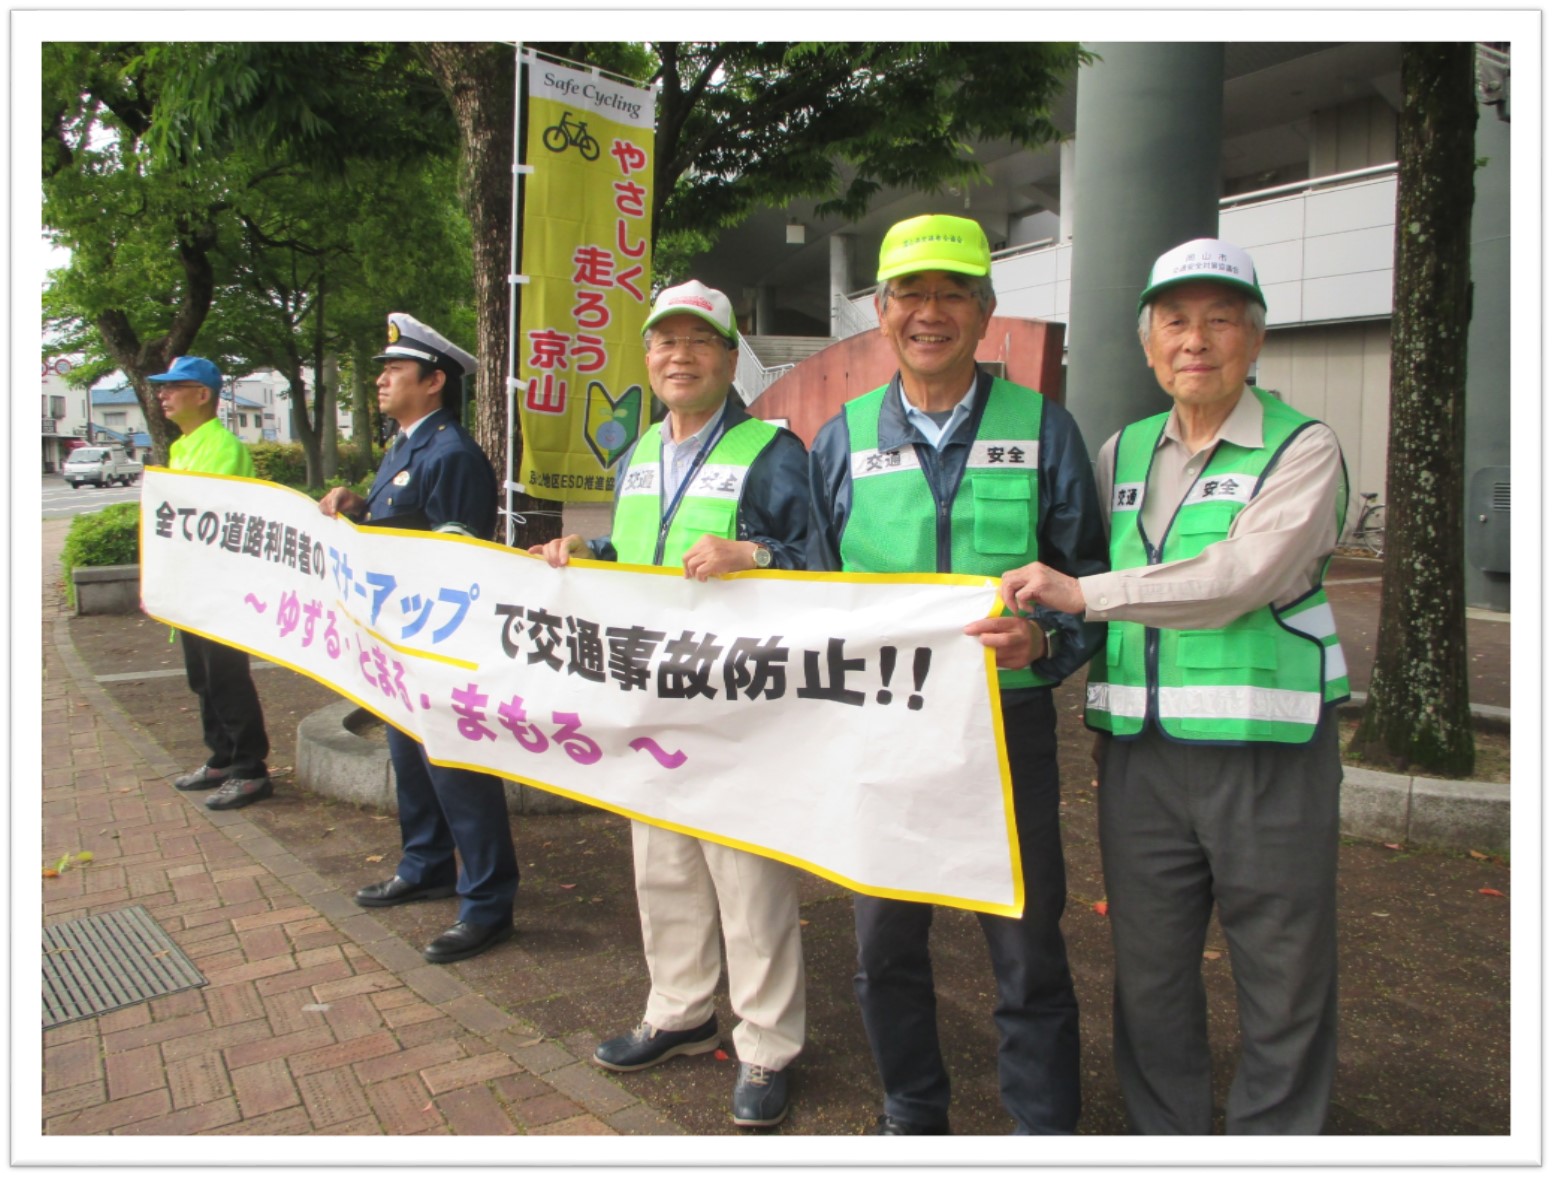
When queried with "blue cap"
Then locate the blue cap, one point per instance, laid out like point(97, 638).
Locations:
point(191, 368)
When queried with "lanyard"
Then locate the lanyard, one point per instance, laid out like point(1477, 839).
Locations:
point(689, 476)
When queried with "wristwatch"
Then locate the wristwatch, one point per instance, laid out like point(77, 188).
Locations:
point(762, 556)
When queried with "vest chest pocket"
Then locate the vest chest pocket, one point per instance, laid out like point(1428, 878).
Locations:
point(1227, 649)
point(708, 517)
point(1002, 523)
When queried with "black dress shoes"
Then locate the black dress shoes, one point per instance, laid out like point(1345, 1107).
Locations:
point(396, 891)
point(465, 939)
point(889, 1126)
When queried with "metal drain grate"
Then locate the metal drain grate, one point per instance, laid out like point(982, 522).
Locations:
point(105, 962)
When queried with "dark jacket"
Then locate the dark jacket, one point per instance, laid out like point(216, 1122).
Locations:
point(437, 479)
point(1069, 529)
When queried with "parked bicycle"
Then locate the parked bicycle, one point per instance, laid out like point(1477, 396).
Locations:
point(571, 133)
point(1369, 531)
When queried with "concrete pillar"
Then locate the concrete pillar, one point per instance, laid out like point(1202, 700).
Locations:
point(1487, 364)
point(842, 247)
point(1069, 189)
point(765, 309)
point(1150, 119)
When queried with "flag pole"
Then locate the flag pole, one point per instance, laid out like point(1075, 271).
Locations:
point(515, 282)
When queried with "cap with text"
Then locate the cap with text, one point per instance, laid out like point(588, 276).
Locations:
point(410, 339)
point(692, 298)
point(1204, 260)
point(194, 368)
point(934, 242)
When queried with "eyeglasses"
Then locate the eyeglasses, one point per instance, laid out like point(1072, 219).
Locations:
point(700, 345)
point(952, 299)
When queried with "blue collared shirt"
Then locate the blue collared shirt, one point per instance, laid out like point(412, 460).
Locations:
point(679, 457)
point(933, 433)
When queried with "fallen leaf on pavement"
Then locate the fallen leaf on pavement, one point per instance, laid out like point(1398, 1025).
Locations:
point(1384, 915)
point(1492, 891)
point(1477, 854)
point(50, 873)
point(1392, 845)
point(568, 886)
point(1212, 954)
point(721, 1056)
point(1102, 908)
point(374, 857)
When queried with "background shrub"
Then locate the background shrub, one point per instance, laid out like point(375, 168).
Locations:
point(109, 536)
point(285, 464)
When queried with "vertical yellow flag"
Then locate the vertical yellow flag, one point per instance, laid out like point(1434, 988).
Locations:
point(587, 229)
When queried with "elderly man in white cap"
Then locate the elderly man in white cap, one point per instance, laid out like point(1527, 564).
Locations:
point(435, 478)
point(712, 490)
point(1216, 697)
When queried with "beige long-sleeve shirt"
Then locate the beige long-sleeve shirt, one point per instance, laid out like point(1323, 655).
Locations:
point(1275, 547)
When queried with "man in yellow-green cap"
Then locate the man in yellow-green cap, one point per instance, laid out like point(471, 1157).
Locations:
point(229, 711)
point(948, 469)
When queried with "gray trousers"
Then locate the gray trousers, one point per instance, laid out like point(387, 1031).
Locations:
point(1254, 829)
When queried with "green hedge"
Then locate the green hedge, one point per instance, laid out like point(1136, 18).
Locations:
point(285, 464)
point(109, 536)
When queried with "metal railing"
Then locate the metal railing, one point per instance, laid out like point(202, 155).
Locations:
point(1313, 184)
point(752, 377)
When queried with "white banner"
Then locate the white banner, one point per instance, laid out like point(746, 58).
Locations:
point(840, 723)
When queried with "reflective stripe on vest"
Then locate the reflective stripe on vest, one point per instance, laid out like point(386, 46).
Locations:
point(897, 525)
point(1265, 676)
point(709, 505)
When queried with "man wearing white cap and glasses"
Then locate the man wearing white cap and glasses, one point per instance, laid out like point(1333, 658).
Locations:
point(1215, 697)
point(714, 491)
point(436, 478)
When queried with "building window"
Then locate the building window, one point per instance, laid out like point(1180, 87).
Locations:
point(115, 418)
point(56, 407)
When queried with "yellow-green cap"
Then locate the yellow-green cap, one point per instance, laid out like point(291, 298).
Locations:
point(934, 242)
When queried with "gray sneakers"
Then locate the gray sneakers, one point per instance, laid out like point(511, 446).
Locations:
point(235, 793)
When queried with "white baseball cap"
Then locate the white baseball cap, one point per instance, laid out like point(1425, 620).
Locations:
point(410, 339)
point(1204, 260)
point(703, 302)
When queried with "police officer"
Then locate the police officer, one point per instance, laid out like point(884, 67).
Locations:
point(947, 469)
point(752, 513)
point(435, 478)
point(1219, 770)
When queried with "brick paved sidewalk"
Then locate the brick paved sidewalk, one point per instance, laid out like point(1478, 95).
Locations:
point(316, 1019)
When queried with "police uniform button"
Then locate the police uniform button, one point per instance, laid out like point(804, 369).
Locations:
point(390, 500)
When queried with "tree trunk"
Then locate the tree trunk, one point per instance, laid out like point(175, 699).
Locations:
point(363, 428)
point(1418, 714)
point(301, 421)
point(478, 81)
point(326, 393)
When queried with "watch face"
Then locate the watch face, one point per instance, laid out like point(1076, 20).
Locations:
point(762, 556)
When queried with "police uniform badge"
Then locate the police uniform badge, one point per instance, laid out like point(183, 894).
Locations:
point(402, 478)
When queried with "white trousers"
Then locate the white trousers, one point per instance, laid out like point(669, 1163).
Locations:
point(681, 885)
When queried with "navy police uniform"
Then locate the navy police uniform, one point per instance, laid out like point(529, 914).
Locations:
point(438, 479)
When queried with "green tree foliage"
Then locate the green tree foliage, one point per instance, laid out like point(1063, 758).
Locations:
point(749, 125)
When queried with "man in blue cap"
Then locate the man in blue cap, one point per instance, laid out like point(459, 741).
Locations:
point(190, 394)
point(436, 478)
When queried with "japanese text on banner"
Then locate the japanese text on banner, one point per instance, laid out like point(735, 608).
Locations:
point(587, 207)
point(842, 724)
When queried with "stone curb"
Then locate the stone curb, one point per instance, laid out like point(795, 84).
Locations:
point(1426, 811)
point(333, 761)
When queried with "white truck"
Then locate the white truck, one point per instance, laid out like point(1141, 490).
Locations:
point(100, 465)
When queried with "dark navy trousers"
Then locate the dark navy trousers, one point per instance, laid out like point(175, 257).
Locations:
point(447, 809)
point(1037, 1011)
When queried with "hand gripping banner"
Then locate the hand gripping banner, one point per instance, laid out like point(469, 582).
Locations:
point(841, 723)
point(587, 229)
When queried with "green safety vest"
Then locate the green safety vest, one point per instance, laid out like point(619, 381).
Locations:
point(897, 525)
point(1263, 678)
point(709, 505)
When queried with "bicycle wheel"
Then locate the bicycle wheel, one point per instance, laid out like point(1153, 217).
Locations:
point(1372, 533)
point(555, 138)
point(588, 146)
